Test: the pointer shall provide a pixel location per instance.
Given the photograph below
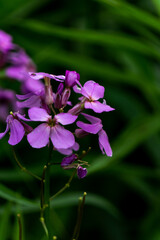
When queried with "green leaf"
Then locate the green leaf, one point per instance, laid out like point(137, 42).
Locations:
point(135, 134)
point(134, 13)
point(12, 196)
point(71, 199)
point(116, 40)
point(4, 223)
point(157, 5)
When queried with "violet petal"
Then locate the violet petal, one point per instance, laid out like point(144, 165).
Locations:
point(16, 132)
point(90, 128)
point(39, 137)
point(98, 107)
point(104, 143)
point(61, 138)
point(38, 114)
point(65, 118)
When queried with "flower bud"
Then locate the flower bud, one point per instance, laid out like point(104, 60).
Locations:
point(71, 78)
point(68, 160)
point(58, 102)
point(80, 133)
point(60, 88)
point(65, 96)
point(81, 172)
point(77, 109)
point(48, 91)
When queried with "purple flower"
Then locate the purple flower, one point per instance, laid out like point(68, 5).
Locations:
point(71, 78)
point(92, 91)
point(95, 127)
point(17, 128)
point(5, 42)
point(60, 137)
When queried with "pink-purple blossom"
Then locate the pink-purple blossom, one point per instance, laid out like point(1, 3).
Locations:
point(5, 42)
point(92, 92)
point(16, 127)
point(51, 129)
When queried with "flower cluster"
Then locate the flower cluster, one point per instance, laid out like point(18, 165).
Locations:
point(54, 110)
point(15, 64)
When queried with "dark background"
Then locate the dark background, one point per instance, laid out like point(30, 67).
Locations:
point(115, 43)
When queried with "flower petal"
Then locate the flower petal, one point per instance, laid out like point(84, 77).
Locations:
point(104, 143)
point(65, 118)
point(93, 90)
point(90, 128)
point(91, 119)
point(16, 132)
point(33, 101)
point(39, 137)
point(25, 96)
point(38, 114)
point(41, 75)
point(98, 107)
point(4, 133)
point(61, 138)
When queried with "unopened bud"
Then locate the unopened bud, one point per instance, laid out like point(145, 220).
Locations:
point(80, 133)
point(77, 109)
point(58, 102)
point(71, 78)
point(65, 96)
point(48, 91)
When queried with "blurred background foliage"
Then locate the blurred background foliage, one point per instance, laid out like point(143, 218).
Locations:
point(117, 44)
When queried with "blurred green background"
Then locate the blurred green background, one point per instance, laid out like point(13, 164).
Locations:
point(117, 44)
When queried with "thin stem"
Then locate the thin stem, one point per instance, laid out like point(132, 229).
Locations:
point(44, 226)
point(23, 168)
point(67, 185)
point(43, 203)
point(51, 107)
point(45, 196)
point(79, 217)
point(20, 226)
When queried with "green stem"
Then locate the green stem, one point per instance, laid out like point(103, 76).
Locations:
point(67, 185)
point(79, 217)
point(46, 204)
point(20, 226)
point(23, 168)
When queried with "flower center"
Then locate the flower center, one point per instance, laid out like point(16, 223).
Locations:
point(51, 122)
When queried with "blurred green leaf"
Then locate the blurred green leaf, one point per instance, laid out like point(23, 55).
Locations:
point(157, 5)
point(116, 40)
point(136, 133)
point(132, 12)
point(4, 223)
point(10, 13)
point(12, 196)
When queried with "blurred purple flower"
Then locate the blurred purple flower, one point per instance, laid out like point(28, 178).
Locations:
point(7, 101)
point(5, 42)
